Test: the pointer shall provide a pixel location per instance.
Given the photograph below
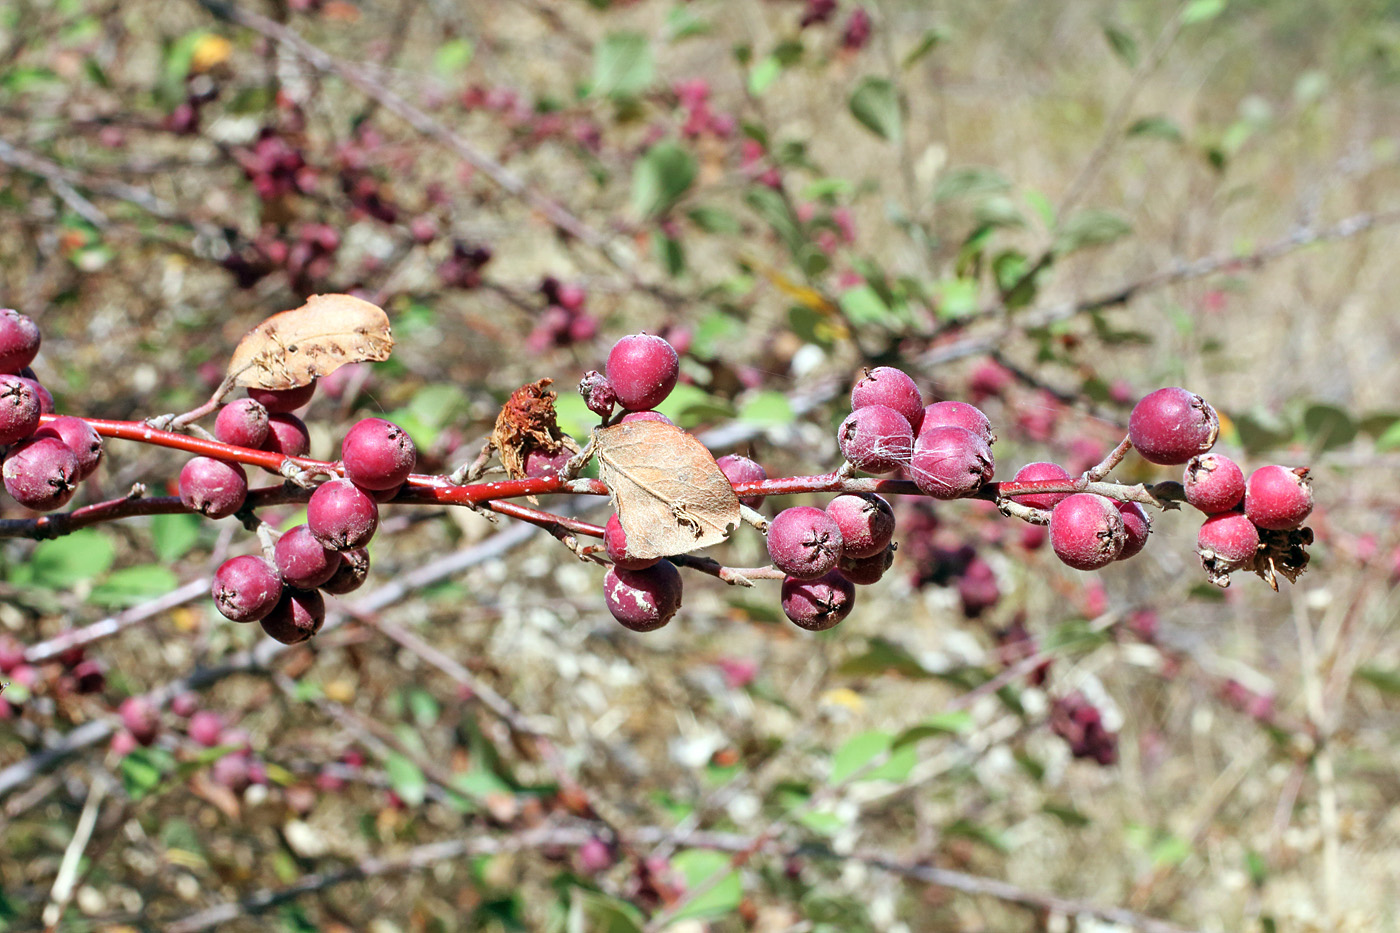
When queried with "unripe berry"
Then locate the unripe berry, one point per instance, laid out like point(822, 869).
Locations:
point(885, 385)
point(643, 600)
point(19, 409)
point(1226, 542)
point(341, 515)
point(303, 562)
point(80, 438)
point(951, 462)
point(1041, 471)
point(1278, 498)
point(864, 571)
point(243, 423)
point(643, 370)
point(1172, 425)
point(297, 616)
point(1086, 531)
point(615, 542)
point(205, 728)
point(19, 340)
point(804, 542)
point(378, 454)
point(287, 435)
point(866, 522)
point(141, 718)
point(41, 473)
point(283, 401)
point(876, 439)
point(740, 469)
point(961, 415)
point(1213, 483)
point(597, 393)
point(214, 488)
point(350, 575)
point(1136, 525)
point(817, 605)
point(246, 588)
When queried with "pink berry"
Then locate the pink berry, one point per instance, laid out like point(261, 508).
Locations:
point(645, 416)
point(538, 463)
point(246, 588)
point(19, 409)
point(141, 718)
point(876, 439)
point(864, 571)
point(1136, 525)
point(740, 469)
point(804, 542)
point(643, 370)
point(350, 575)
point(1172, 425)
point(80, 438)
point(1086, 531)
point(341, 515)
point(1226, 542)
point(817, 605)
point(41, 473)
point(1041, 470)
point(1278, 498)
point(287, 435)
point(378, 454)
point(231, 771)
point(302, 560)
point(866, 522)
point(123, 743)
point(184, 704)
point(643, 600)
point(615, 542)
point(204, 728)
point(297, 616)
point(951, 462)
point(893, 388)
point(1213, 483)
point(213, 488)
point(19, 340)
point(283, 401)
point(960, 414)
point(243, 423)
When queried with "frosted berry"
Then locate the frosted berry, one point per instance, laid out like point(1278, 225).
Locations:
point(141, 718)
point(378, 454)
point(213, 488)
point(1086, 531)
point(1226, 542)
point(647, 415)
point(19, 409)
point(1041, 470)
point(866, 522)
point(804, 542)
point(885, 385)
point(817, 605)
point(243, 423)
point(864, 571)
point(951, 462)
point(287, 435)
point(1136, 525)
point(350, 575)
point(740, 469)
point(1213, 483)
point(205, 728)
point(615, 542)
point(1278, 498)
point(19, 340)
point(246, 588)
point(283, 401)
point(41, 473)
point(643, 370)
point(297, 616)
point(341, 515)
point(597, 393)
point(876, 439)
point(1172, 425)
point(303, 562)
point(80, 438)
point(960, 414)
point(643, 600)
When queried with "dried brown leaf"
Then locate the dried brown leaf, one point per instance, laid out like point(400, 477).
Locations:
point(670, 495)
point(527, 422)
point(292, 348)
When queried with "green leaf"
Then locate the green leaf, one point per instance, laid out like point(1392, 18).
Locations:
point(683, 23)
point(598, 913)
point(1067, 815)
point(698, 866)
point(713, 220)
point(1123, 44)
point(406, 778)
point(971, 181)
point(764, 74)
point(661, 178)
point(774, 209)
point(926, 44)
point(856, 752)
point(423, 707)
point(132, 585)
point(670, 253)
point(1199, 11)
point(1328, 427)
point(1389, 438)
point(172, 536)
point(1260, 430)
point(956, 298)
point(1158, 127)
point(863, 305)
point(61, 562)
point(956, 722)
point(875, 105)
point(768, 409)
point(1383, 679)
point(1091, 227)
point(143, 769)
point(623, 65)
point(452, 56)
point(883, 656)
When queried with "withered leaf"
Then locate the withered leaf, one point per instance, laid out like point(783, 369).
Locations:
point(527, 422)
point(670, 495)
point(292, 348)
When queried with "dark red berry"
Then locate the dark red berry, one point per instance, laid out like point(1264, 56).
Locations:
point(643, 600)
point(1226, 542)
point(951, 462)
point(80, 438)
point(246, 588)
point(297, 616)
point(597, 393)
point(538, 463)
point(350, 575)
point(341, 515)
point(1086, 531)
point(977, 588)
point(1213, 483)
point(19, 409)
point(41, 473)
point(864, 571)
point(804, 542)
point(19, 340)
point(817, 605)
point(302, 560)
point(283, 401)
point(643, 370)
point(1172, 425)
point(1278, 498)
point(214, 488)
point(866, 522)
point(243, 423)
point(876, 439)
point(378, 454)
point(89, 676)
point(287, 435)
point(141, 718)
point(1136, 525)
point(615, 542)
point(1041, 471)
point(740, 469)
point(959, 414)
point(893, 388)
point(46, 404)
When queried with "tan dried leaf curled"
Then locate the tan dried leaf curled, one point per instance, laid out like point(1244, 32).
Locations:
point(292, 348)
point(670, 495)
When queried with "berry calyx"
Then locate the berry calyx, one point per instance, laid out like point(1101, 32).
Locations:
point(804, 542)
point(1086, 531)
point(246, 588)
point(341, 515)
point(643, 370)
point(820, 604)
point(643, 600)
point(951, 462)
point(378, 454)
point(876, 439)
point(19, 409)
point(1278, 498)
point(1213, 483)
point(893, 388)
point(1171, 425)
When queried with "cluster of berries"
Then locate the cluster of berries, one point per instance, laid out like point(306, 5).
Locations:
point(141, 726)
point(70, 673)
